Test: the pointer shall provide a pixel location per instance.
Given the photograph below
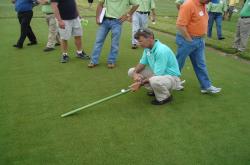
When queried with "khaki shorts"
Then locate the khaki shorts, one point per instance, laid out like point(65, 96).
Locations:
point(72, 28)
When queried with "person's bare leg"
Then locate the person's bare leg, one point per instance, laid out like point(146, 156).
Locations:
point(64, 46)
point(78, 43)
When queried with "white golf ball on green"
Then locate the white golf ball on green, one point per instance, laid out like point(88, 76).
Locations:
point(123, 90)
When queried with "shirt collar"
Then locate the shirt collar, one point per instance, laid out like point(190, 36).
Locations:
point(155, 46)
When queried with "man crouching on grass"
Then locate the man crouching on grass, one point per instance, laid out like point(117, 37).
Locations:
point(158, 69)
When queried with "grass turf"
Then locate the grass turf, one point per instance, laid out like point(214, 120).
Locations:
point(193, 129)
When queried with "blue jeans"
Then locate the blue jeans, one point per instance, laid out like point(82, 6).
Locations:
point(217, 17)
point(195, 50)
point(115, 26)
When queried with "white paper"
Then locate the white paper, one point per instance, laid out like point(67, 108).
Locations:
point(102, 15)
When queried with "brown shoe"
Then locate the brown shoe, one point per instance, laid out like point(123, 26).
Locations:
point(91, 65)
point(111, 66)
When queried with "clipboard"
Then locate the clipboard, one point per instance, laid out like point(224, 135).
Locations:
point(101, 16)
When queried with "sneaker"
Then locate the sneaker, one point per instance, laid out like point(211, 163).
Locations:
point(82, 55)
point(64, 59)
point(111, 66)
point(134, 46)
point(47, 49)
point(32, 43)
point(167, 100)
point(91, 65)
point(18, 46)
point(211, 89)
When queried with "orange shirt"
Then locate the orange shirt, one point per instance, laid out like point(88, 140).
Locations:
point(194, 16)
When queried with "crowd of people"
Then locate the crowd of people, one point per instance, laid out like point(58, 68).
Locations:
point(158, 70)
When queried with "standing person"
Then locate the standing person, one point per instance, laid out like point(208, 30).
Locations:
point(90, 3)
point(243, 28)
point(115, 15)
point(231, 8)
point(216, 11)
point(140, 17)
point(192, 24)
point(157, 70)
point(53, 36)
point(67, 16)
point(24, 14)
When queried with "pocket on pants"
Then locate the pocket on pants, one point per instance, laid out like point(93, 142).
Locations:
point(188, 42)
point(180, 41)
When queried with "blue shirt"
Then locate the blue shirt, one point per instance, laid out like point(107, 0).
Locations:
point(161, 60)
point(23, 5)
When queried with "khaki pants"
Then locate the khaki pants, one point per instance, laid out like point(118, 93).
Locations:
point(161, 85)
point(53, 36)
point(242, 34)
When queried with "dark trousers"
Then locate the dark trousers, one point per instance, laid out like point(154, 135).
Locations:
point(24, 20)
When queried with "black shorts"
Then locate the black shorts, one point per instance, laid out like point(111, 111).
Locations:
point(90, 1)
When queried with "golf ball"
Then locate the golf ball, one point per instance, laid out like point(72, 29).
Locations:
point(123, 90)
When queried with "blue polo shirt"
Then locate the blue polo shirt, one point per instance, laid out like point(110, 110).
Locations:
point(161, 60)
point(23, 5)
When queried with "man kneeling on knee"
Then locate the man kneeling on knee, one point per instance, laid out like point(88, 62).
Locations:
point(158, 69)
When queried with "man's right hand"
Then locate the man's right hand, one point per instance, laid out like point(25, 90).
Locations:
point(189, 39)
point(61, 24)
point(135, 86)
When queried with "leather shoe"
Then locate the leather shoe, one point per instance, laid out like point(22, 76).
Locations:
point(134, 46)
point(18, 46)
point(111, 66)
point(156, 102)
point(91, 65)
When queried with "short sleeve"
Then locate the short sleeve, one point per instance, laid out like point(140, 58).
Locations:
point(152, 5)
point(184, 15)
point(133, 2)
